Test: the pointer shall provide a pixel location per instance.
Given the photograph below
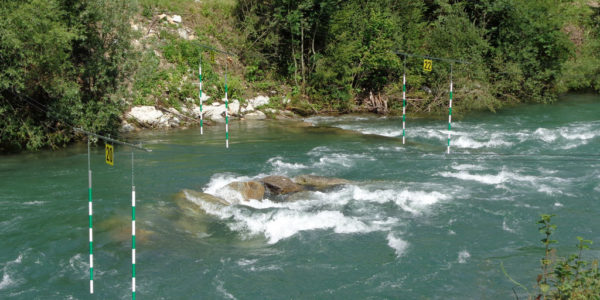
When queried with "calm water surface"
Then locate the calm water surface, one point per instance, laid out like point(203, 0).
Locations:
point(414, 224)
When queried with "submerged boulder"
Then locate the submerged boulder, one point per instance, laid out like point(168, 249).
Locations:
point(248, 190)
point(319, 182)
point(190, 200)
point(280, 185)
point(119, 229)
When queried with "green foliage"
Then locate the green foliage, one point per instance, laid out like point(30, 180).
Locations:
point(570, 277)
point(75, 61)
point(566, 278)
point(60, 70)
point(337, 52)
point(582, 71)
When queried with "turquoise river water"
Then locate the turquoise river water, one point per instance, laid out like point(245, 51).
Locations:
point(415, 223)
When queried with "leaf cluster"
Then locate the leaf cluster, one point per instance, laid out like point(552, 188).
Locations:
point(570, 277)
point(60, 63)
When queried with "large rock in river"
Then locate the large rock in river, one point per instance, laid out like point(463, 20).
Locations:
point(248, 190)
point(319, 182)
point(280, 185)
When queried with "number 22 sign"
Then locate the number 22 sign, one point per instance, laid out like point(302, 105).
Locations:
point(427, 65)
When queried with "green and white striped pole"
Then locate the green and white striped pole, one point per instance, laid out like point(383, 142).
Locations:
point(132, 231)
point(450, 111)
point(200, 93)
point(404, 104)
point(90, 218)
point(226, 113)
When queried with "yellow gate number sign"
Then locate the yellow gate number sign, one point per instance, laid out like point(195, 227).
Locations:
point(110, 158)
point(427, 65)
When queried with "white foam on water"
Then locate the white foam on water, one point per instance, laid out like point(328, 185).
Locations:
point(323, 159)
point(7, 281)
point(483, 178)
point(399, 245)
point(463, 256)
point(221, 289)
point(394, 149)
point(413, 201)
point(285, 223)
point(581, 131)
point(388, 132)
point(34, 202)
point(217, 186)
point(286, 220)
point(546, 135)
point(467, 142)
point(79, 264)
point(567, 137)
point(502, 177)
point(506, 228)
point(347, 209)
point(265, 268)
point(246, 262)
point(464, 167)
point(558, 204)
point(548, 190)
point(319, 150)
point(317, 210)
point(547, 171)
point(344, 160)
point(281, 167)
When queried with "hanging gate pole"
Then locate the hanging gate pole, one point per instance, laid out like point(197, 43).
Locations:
point(90, 218)
point(450, 111)
point(404, 103)
point(108, 139)
point(132, 231)
point(226, 112)
point(200, 93)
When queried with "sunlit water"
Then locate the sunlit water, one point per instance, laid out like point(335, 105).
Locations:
point(415, 223)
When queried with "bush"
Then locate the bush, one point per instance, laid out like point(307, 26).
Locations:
point(570, 277)
point(60, 71)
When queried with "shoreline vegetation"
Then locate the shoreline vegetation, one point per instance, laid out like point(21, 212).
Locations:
point(95, 64)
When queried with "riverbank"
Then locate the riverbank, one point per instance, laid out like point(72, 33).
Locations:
point(308, 59)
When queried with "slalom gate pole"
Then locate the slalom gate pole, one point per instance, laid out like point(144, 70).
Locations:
point(226, 112)
point(450, 111)
point(200, 93)
point(91, 239)
point(90, 220)
point(404, 103)
point(132, 230)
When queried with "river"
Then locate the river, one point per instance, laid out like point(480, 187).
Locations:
point(415, 223)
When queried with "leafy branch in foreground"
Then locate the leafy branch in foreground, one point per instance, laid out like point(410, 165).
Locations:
point(569, 277)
